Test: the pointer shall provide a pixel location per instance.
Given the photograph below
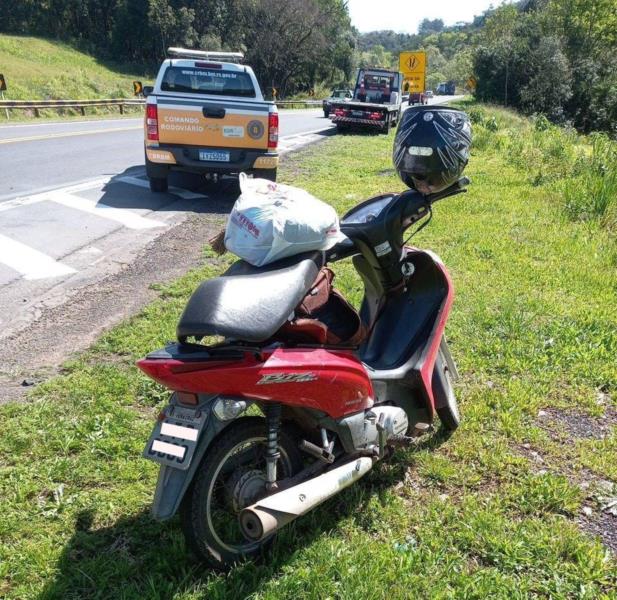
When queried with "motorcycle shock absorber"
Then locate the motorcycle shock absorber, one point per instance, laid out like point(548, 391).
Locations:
point(273, 427)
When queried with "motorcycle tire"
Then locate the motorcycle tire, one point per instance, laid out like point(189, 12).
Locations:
point(196, 512)
point(443, 393)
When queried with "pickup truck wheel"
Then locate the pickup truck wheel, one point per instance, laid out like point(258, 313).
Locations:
point(326, 113)
point(265, 174)
point(158, 185)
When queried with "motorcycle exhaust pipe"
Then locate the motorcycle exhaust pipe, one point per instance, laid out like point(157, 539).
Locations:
point(273, 512)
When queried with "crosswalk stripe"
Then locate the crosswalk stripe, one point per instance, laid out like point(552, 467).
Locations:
point(121, 215)
point(42, 196)
point(31, 263)
point(185, 194)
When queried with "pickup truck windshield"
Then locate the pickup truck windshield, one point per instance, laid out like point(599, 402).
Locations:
point(216, 82)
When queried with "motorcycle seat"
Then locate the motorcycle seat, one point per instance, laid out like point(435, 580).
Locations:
point(249, 303)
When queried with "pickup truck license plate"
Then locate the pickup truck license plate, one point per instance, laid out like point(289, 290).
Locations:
point(174, 438)
point(214, 155)
point(357, 113)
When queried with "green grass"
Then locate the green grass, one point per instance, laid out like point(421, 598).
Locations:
point(579, 170)
point(40, 69)
point(492, 512)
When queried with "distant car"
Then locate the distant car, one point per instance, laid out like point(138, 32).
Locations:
point(429, 94)
point(418, 98)
point(446, 89)
point(337, 95)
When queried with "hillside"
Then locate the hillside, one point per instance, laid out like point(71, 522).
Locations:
point(36, 68)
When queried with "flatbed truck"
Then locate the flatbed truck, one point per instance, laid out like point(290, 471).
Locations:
point(376, 102)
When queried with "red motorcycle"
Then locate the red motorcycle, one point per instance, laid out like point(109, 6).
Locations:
point(303, 395)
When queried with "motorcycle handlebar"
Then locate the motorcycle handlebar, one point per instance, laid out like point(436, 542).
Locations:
point(414, 206)
point(418, 205)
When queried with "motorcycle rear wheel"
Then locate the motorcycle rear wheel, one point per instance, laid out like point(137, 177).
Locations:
point(230, 477)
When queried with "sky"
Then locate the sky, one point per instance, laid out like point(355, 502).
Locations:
point(405, 15)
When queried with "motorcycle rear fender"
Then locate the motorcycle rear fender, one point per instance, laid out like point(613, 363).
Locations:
point(172, 483)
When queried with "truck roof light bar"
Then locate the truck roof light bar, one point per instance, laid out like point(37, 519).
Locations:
point(205, 55)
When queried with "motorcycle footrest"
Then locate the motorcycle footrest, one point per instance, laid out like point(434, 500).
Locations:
point(317, 452)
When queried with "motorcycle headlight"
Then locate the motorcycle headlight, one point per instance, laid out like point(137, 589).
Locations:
point(226, 409)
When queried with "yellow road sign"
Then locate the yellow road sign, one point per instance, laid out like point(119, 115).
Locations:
point(472, 83)
point(138, 89)
point(413, 67)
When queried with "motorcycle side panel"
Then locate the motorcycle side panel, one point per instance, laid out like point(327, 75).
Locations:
point(331, 381)
point(406, 337)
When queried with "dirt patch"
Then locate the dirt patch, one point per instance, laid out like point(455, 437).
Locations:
point(604, 526)
point(60, 332)
point(598, 515)
point(579, 425)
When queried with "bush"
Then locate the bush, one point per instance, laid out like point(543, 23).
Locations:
point(593, 194)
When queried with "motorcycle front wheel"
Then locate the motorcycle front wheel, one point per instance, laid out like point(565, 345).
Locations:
point(232, 476)
point(446, 404)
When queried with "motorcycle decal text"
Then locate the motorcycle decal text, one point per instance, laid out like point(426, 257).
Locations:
point(287, 378)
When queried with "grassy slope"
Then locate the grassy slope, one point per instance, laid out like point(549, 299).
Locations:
point(490, 512)
point(39, 69)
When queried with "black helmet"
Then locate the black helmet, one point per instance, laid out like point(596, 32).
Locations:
point(431, 147)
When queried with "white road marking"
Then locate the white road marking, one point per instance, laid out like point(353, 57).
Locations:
point(31, 263)
point(185, 194)
point(320, 130)
point(72, 189)
point(71, 122)
point(121, 215)
point(53, 136)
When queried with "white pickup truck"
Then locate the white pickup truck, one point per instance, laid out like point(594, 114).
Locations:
point(206, 114)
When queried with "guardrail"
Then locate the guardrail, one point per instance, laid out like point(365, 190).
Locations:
point(38, 105)
point(298, 103)
point(121, 103)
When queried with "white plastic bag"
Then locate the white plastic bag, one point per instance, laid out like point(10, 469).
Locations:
point(270, 221)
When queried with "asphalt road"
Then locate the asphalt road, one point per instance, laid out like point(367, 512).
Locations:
point(37, 157)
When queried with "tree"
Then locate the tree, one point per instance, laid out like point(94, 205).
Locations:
point(427, 26)
point(171, 26)
point(499, 35)
point(302, 37)
point(550, 84)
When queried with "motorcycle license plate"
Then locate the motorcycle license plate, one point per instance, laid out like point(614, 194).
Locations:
point(175, 436)
point(214, 155)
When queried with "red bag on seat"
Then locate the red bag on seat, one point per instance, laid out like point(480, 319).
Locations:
point(325, 317)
